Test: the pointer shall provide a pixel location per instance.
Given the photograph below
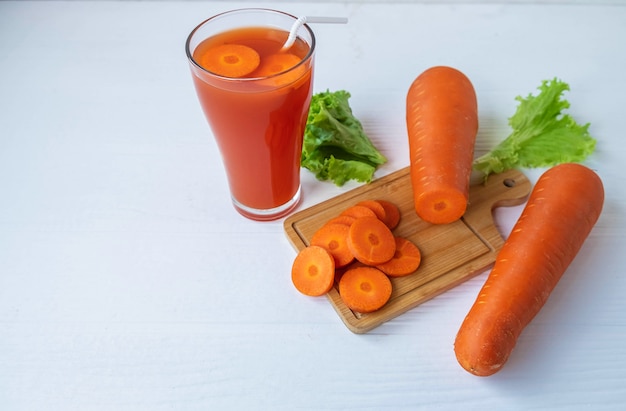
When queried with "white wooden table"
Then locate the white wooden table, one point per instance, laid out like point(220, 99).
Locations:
point(128, 281)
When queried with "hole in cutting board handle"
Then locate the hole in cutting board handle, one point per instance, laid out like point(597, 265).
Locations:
point(509, 182)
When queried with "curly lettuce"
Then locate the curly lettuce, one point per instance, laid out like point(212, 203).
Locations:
point(542, 136)
point(335, 145)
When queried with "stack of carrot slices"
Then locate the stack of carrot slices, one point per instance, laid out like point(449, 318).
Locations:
point(358, 250)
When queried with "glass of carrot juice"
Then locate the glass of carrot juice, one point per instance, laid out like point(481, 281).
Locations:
point(256, 99)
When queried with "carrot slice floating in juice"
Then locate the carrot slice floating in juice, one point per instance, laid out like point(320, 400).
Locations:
point(276, 63)
point(231, 60)
point(279, 63)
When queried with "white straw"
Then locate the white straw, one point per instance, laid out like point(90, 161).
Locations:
point(302, 20)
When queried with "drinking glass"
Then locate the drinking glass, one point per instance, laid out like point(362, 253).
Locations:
point(258, 121)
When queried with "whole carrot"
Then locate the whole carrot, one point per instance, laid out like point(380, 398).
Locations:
point(442, 123)
point(561, 211)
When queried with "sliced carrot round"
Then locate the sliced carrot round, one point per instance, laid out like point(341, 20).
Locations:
point(342, 219)
point(405, 261)
point(276, 63)
point(376, 207)
point(365, 289)
point(442, 205)
point(334, 238)
point(231, 60)
point(357, 211)
point(392, 213)
point(371, 241)
point(313, 271)
point(277, 68)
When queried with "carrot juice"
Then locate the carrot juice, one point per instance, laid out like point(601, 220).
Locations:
point(256, 100)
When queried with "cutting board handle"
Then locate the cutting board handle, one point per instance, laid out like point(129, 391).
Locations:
point(507, 189)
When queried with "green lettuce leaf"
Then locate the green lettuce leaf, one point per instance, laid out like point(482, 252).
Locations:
point(335, 146)
point(542, 136)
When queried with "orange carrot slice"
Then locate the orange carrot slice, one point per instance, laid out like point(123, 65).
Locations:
point(371, 241)
point(342, 219)
point(364, 289)
point(334, 238)
point(275, 64)
point(357, 211)
point(313, 271)
point(392, 213)
point(405, 261)
point(231, 60)
point(376, 207)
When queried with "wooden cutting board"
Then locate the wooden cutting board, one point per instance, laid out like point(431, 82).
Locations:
point(451, 253)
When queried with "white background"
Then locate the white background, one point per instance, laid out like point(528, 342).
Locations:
point(128, 281)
